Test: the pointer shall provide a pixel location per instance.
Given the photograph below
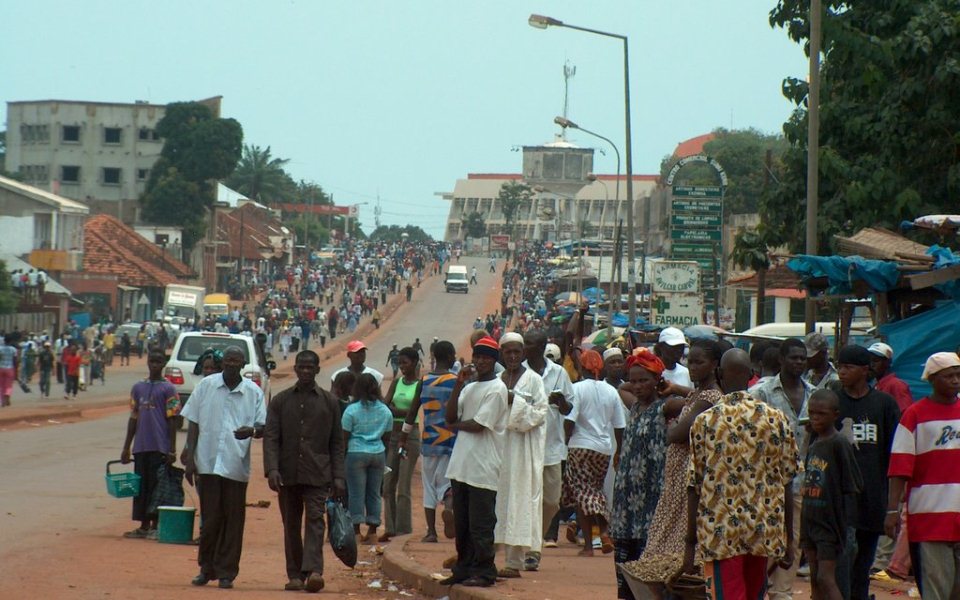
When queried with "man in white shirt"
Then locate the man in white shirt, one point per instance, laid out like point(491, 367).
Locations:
point(559, 391)
point(670, 347)
point(478, 412)
point(224, 412)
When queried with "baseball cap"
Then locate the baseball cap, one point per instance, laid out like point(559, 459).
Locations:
point(672, 336)
point(854, 355)
point(356, 346)
point(552, 352)
point(882, 350)
point(815, 343)
point(938, 362)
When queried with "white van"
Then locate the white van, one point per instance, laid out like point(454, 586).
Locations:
point(456, 279)
point(860, 331)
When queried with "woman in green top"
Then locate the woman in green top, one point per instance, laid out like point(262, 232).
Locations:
point(396, 484)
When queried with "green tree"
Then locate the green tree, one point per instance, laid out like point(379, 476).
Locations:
point(474, 225)
point(742, 153)
point(261, 176)
point(751, 250)
point(198, 149)
point(8, 297)
point(316, 233)
point(889, 116)
point(394, 233)
point(512, 195)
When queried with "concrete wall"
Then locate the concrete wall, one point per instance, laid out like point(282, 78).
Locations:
point(35, 139)
point(16, 235)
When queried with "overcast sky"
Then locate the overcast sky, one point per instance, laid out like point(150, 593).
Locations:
point(401, 99)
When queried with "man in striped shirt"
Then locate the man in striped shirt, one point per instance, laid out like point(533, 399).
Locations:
point(924, 459)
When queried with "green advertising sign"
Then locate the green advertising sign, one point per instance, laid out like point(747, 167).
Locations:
point(686, 205)
point(695, 235)
point(691, 249)
point(698, 191)
point(696, 221)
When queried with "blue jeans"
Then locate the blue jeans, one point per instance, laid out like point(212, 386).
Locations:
point(364, 477)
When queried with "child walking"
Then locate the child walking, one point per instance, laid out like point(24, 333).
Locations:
point(152, 431)
point(831, 478)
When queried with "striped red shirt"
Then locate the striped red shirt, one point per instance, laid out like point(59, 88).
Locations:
point(926, 452)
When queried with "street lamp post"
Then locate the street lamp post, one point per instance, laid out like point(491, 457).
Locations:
point(542, 22)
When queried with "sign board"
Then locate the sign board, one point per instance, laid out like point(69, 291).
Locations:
point(695, 221)
point(178, 298)
point(499, 242)
point(675, 276)
point(677, 310)
point(688, 205)
point(698, 191)
point(354, 211)
point(691, 249)
point(143, 299)
point(696, 235)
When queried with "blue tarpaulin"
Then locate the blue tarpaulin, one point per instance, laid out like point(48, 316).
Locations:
point(944, 257)
point(841, 271)
point(591, 294)
point(916, 338)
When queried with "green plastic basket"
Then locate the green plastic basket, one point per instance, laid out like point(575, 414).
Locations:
point(122, 485)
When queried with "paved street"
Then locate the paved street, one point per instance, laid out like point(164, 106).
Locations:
point(56, 512)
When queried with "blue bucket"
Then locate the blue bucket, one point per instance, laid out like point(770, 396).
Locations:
point(175, 525)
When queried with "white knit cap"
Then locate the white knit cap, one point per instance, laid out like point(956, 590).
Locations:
point(610, 352)
point(509, 337)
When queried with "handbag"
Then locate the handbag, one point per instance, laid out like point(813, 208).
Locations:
point(342, 539)
point(169, 490)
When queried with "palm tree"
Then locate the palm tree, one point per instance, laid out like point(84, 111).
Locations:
point(751, 251)
point(260, 176)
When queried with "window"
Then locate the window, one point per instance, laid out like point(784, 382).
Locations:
point(35, 173)
point(143, 174)
point(69, 174)
point(148, 135)
point(112, 135)
point(71, 134)
point(111, 176)
point(34, 133)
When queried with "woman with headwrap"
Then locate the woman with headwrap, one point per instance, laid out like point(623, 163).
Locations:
point(639, 475)
point(662, 559)
point(208, 363)
point(596, 407)
point(520, 492)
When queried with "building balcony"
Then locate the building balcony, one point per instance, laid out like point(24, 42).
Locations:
point(56, 260)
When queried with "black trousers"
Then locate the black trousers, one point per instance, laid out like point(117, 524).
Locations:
point(146, 464)
point(303, 541)
point(475, 517)
point(223, 510)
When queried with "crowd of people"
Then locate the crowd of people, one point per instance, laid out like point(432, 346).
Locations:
point(693, 463)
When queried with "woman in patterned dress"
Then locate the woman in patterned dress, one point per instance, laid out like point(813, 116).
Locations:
point(639, 477)
point(662, 559)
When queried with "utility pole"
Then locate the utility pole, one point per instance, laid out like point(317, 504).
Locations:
point(813, 151)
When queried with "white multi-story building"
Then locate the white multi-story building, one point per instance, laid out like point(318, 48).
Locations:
point(100, 153)
point(568, 201)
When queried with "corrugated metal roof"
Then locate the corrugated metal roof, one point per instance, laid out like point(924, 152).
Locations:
point(50, 199)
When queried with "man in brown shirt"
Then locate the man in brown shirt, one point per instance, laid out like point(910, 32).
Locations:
point(303, 461)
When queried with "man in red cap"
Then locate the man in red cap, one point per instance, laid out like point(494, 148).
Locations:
point(478, 412)
point(357, 353)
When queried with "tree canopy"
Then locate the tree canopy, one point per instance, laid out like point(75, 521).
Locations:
point(394, 233)
point(512, 195)
point(261, 176)
point(8, 297)
point(198, 149)
point(474, 225)
point(889, 116)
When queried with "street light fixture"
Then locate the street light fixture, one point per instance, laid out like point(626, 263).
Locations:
point(543, 22)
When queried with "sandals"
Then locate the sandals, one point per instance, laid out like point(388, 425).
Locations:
point(508, 573)
point(137, 534)
point(606, 544)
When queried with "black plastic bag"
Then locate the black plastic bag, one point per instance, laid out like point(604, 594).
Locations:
point(342, 539)
point(169, 490)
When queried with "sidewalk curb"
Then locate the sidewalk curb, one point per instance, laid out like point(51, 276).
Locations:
point(398, 566)
point(59, 412)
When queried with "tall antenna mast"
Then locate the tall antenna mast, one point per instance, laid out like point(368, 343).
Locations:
point(568, 72)
point(376, 211)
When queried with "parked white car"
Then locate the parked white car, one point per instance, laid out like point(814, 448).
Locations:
point(191, 344)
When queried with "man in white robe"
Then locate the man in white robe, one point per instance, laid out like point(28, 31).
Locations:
point(520, 492)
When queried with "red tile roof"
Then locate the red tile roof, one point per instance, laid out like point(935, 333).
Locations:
point(692, 146)
point(110, 247)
